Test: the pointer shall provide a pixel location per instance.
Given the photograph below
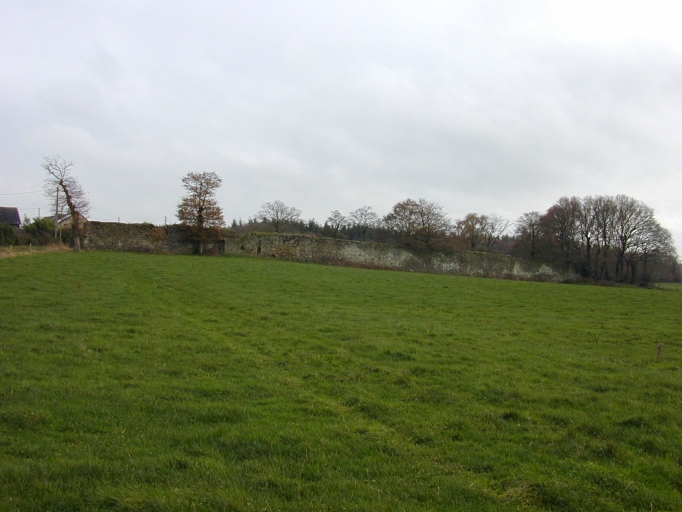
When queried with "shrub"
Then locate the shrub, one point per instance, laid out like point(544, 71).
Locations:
point(8, 235)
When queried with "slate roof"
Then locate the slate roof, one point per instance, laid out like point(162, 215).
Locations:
point(9, 216)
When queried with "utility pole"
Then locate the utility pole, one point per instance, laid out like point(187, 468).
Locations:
point(56, 212)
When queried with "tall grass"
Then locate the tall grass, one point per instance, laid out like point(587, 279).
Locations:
point(149, 382)
point(20, 250)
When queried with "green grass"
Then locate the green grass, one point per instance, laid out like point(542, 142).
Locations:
point(670, 286)
point(150, 382)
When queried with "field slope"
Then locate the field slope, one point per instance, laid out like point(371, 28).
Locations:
point(150, 382)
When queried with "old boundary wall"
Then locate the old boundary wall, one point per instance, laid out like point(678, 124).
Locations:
point(303, 248)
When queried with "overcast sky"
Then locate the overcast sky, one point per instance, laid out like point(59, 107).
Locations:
point(483, 106)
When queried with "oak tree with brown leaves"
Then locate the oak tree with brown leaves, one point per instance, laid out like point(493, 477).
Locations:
point(417, 222)
point(199, 210)
point(199, 207)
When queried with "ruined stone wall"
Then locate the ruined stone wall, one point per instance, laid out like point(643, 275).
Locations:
point(322, 250)
point(169, 239)
point(371, 255)
point(115, 236)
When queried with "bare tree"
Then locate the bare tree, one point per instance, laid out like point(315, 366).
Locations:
point(528, 231)
point(656, 246)
point(336, 221)
point(364, 219)
point(277, 214)
point(604, 212)
point(199, 209)
point(495, 227)
point(561, 221)
point(602, 238)
point(432, 221)
point(60, 183)
point(631, 222)
point(586, 233)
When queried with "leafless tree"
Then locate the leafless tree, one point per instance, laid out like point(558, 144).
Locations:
point(61, 184)
point(654, 245)
point(586, 232)
point(277, 214)
point(495, 227)
point(336, 221)
point(528, 231)
point(432, 221)
point(602, 238)
point(631, 222)
point(561, 221)
point(604, 213)
point(364, 219)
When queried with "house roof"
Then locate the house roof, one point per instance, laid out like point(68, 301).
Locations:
point(66, 218)
point(9, 215)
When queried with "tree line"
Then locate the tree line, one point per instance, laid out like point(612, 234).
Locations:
point(604, 238)
point(601, 238)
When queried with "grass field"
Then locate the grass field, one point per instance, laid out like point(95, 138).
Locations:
point(25, 250)
point(670, 286)
point(150, 382)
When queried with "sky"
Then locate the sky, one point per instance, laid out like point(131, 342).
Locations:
point(482, 106)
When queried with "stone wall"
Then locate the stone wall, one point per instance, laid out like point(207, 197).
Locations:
point(145, 237)
point(134, 237)
point(170, 239)
point(371, 255)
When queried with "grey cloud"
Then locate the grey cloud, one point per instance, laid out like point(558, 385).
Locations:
point(335, 106)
